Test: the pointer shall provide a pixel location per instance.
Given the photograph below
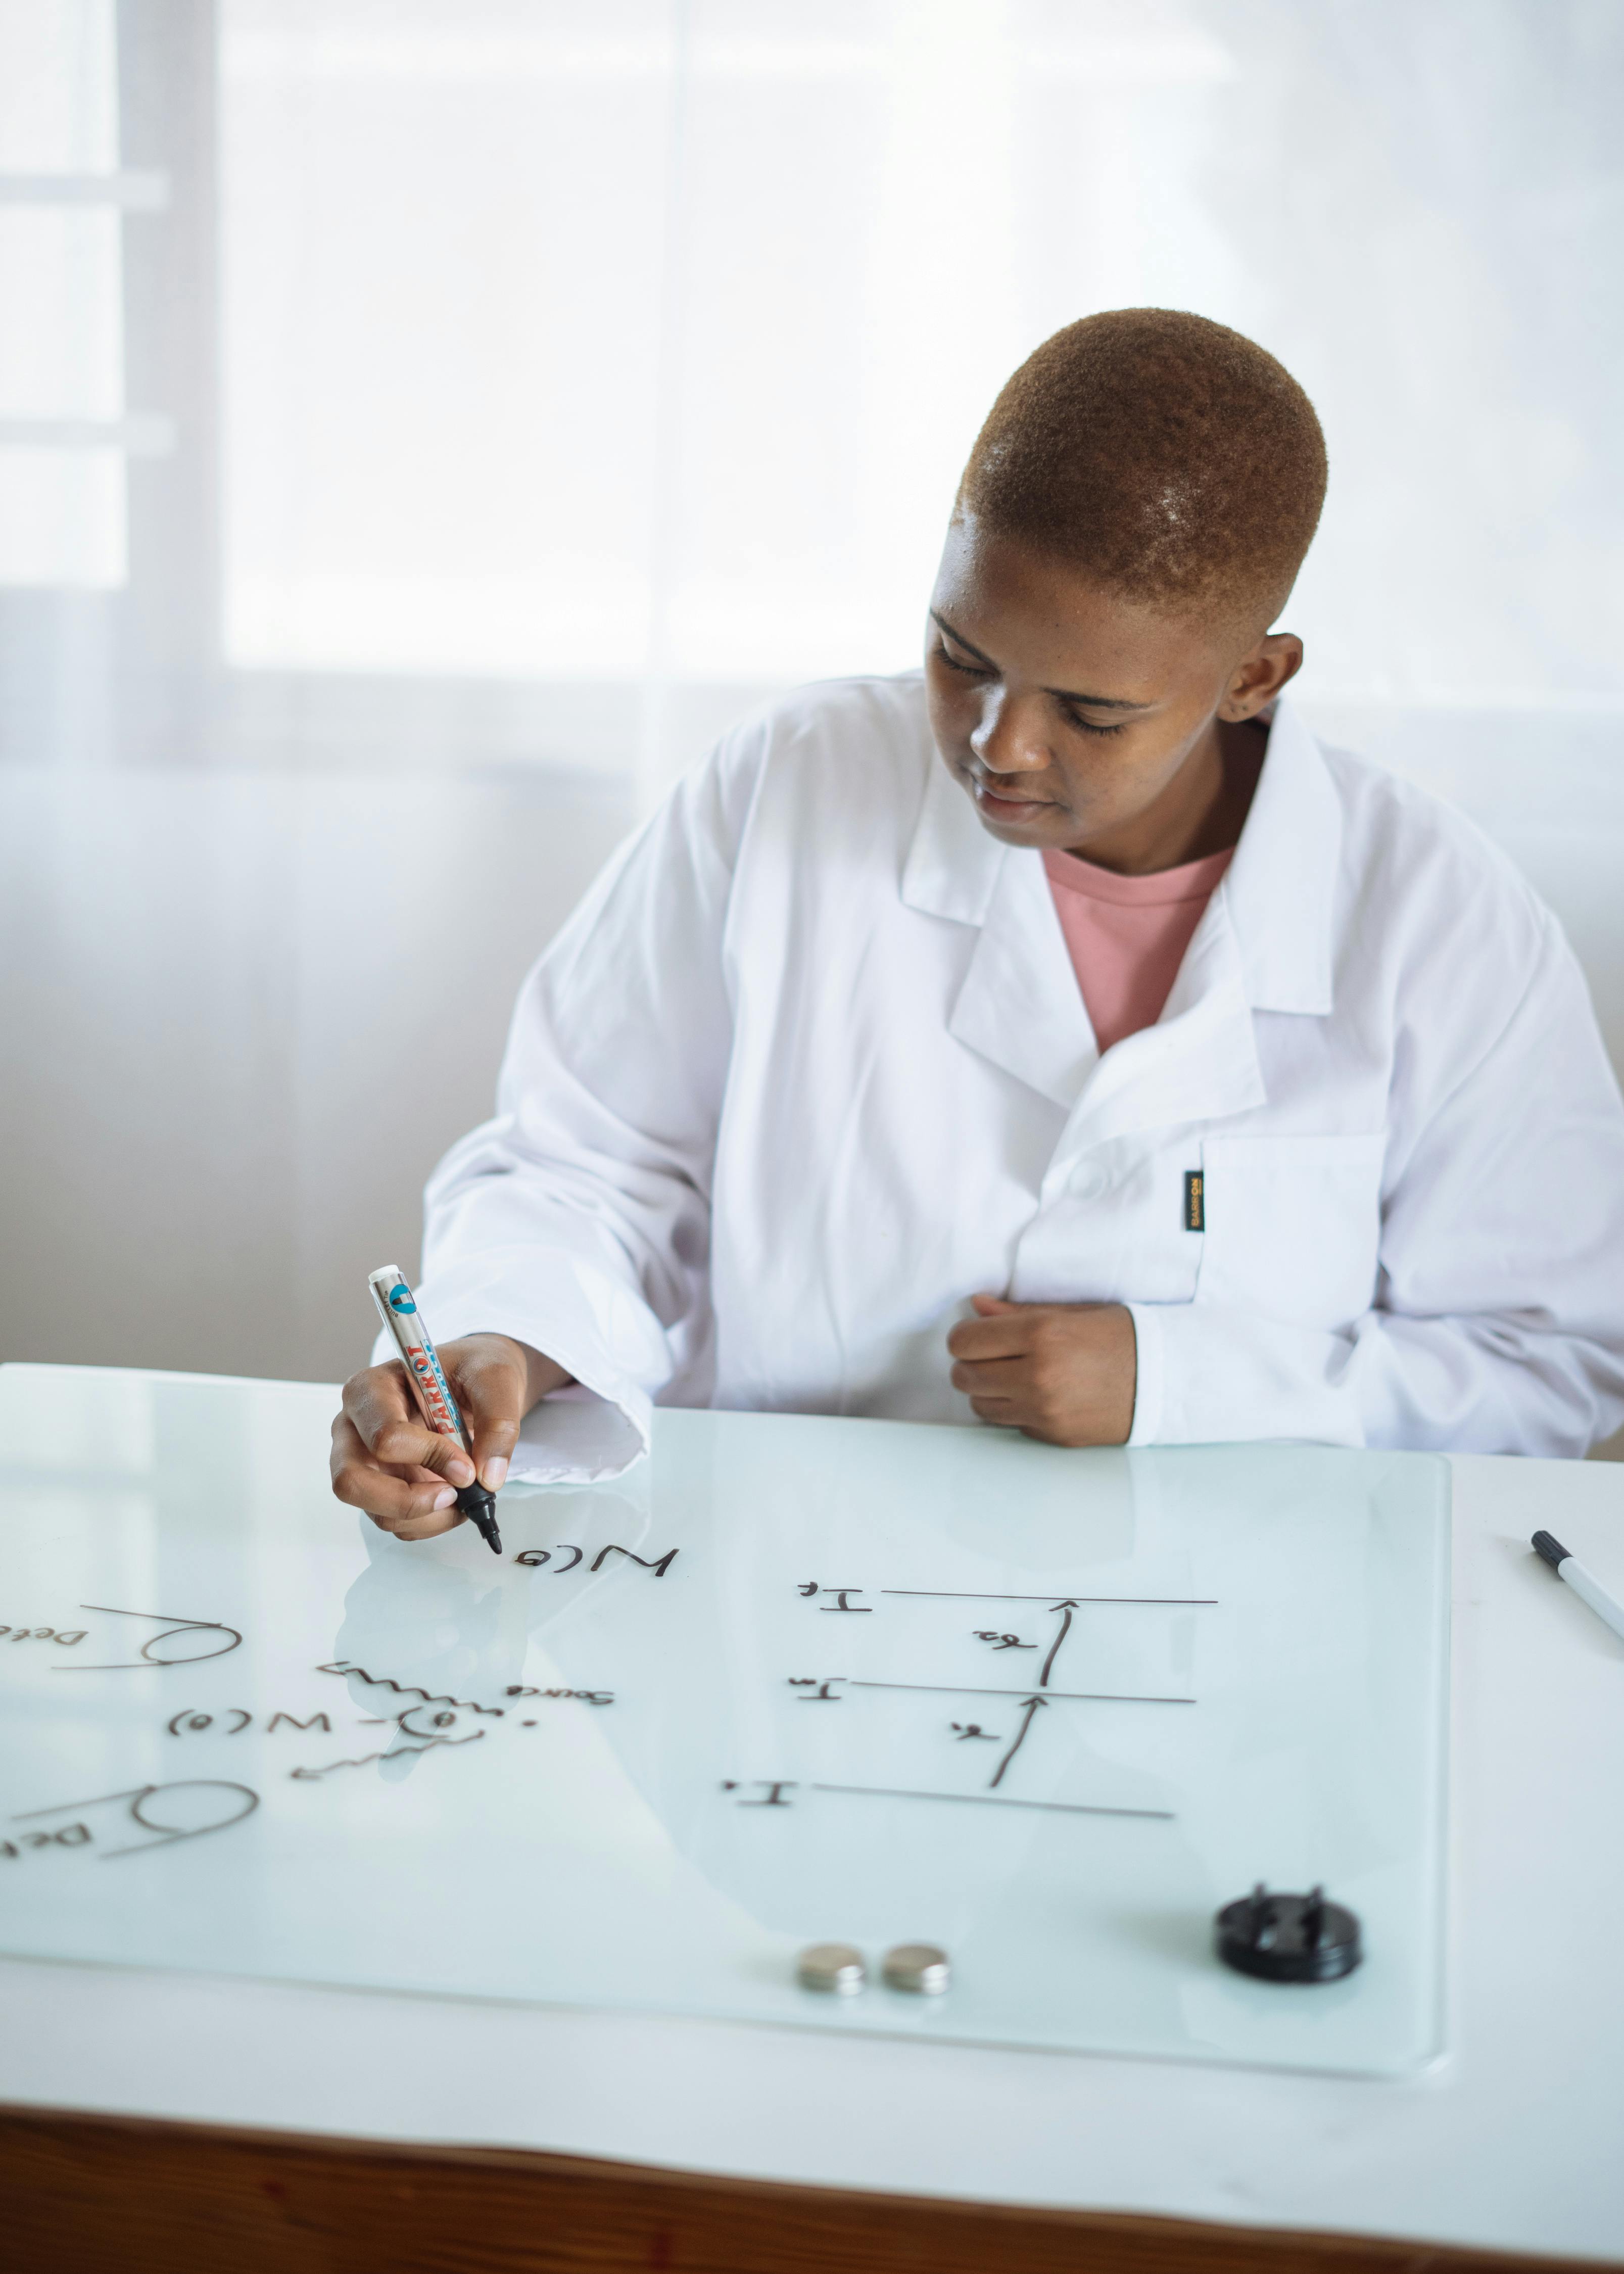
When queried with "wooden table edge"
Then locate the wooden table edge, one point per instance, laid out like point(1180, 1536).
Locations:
point(150, 2196)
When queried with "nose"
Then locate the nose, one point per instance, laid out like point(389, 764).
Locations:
point(1009, 737)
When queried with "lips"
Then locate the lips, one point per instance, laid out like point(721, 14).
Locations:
point(999, 797)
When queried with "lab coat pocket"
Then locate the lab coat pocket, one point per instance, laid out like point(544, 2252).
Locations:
point(1292, 1226)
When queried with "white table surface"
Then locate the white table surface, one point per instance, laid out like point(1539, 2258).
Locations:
point(1516, 2141)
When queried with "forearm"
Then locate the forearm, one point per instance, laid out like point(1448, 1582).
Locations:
point(1485, 1382)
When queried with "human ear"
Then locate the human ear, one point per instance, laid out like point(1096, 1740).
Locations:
point(1258, 678)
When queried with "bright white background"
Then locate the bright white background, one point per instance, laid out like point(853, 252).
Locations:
point(658, 347)
point(424, 423)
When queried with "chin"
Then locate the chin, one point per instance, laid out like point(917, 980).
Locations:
point(1011, 833)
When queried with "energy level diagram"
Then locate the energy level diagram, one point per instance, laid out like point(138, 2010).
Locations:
point(971, 1698)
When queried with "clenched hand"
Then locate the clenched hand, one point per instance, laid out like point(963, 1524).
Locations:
point(1064, 1372)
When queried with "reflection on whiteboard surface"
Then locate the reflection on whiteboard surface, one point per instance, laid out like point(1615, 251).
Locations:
point(792, 1681)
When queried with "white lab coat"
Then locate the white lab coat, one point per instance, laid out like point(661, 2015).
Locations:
point(810, 1065)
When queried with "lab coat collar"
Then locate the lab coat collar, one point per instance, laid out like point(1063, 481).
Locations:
point(1280, 887)
point(1264, 942)
point(1020, 1005)
point(952, 865)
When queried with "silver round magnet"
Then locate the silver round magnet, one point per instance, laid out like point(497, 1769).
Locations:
point(831, 1966)
point(918, 1966)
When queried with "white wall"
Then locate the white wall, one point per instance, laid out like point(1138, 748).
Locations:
point(240, 1018)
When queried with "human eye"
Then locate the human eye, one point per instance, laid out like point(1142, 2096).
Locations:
point(1086, 726)
point(969, 666)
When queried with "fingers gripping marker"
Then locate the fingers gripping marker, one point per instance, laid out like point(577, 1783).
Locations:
point(397, 1308)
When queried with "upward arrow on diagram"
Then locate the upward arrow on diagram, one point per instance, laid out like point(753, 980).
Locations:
point(1028, 1712)
point(1065, 1610)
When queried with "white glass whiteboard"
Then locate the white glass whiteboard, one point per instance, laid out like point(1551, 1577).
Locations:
point(791, 1681)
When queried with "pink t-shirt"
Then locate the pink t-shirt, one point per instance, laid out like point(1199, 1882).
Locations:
point(1127, 935)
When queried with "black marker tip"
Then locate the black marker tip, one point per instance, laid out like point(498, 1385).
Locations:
point(1552, 1550)
point(479, 1507)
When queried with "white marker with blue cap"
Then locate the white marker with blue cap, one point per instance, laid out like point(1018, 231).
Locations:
point(1584, 1584)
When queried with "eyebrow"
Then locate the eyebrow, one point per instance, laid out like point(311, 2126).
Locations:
point(1061, 694)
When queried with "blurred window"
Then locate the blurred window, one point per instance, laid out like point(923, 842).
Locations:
point(62, 471)
point(467, 380)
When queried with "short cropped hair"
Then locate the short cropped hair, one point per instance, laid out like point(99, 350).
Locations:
point(1167, 456)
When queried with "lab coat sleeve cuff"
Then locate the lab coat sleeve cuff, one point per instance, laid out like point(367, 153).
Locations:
point(1149, 1373)
point(594, 1328)
point(1212, 1375)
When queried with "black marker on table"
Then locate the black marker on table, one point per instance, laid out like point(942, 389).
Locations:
point(1584, 1584)
point(399, 1312)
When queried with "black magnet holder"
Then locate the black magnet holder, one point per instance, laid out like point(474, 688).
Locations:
point(1288, 1938)
point(479, 1507)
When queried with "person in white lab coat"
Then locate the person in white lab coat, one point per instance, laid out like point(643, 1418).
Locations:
point(1060, 1035)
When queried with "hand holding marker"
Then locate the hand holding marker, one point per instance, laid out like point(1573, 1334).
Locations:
point(401, 1315)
